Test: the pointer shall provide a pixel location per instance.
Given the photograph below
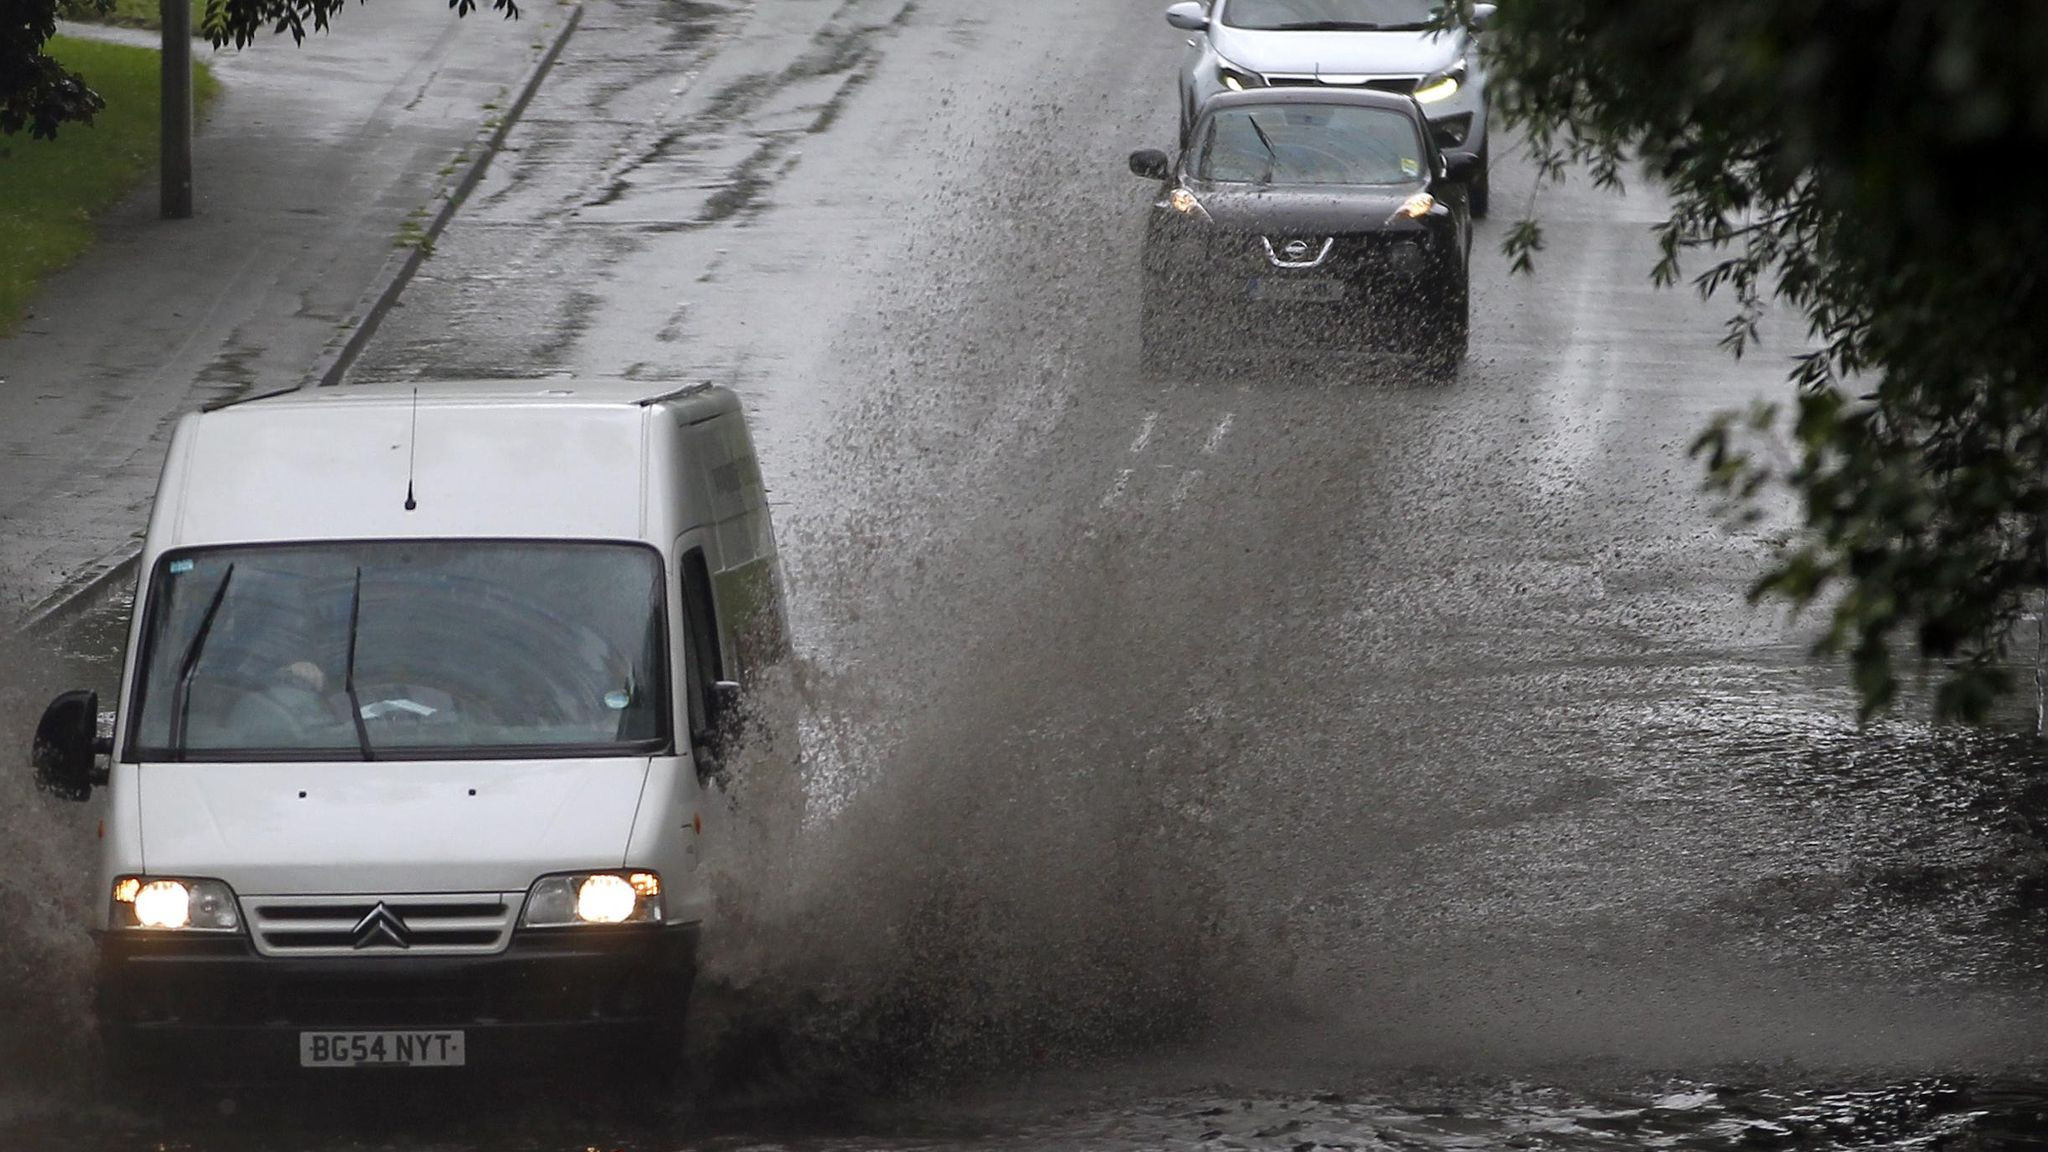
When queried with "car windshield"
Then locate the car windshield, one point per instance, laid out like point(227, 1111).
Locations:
point(391, 649)
point(1331, 15)
point(1309, 144)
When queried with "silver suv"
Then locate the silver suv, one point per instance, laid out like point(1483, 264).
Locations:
point(1390, 45)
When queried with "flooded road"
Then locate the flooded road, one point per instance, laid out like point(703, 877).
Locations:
point(1283, 754)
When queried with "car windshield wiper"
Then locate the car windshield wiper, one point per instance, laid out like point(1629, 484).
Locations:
point(348, 676)
point(181, 694)
point(1272, 157)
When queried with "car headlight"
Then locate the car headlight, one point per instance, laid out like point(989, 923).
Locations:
point(164, 904)
point(1416, 206)
point(1440, 86)
point(1237, 79)
point(593, 898)
point(1184, 202)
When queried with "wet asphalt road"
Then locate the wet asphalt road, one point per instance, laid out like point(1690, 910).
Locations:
point(1283, 754)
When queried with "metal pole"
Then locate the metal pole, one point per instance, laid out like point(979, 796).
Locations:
point(177, 109)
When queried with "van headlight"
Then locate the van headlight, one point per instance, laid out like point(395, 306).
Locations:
point(593, 898)
point(166, 904)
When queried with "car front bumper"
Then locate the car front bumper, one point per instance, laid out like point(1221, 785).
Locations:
point(1389, 289)
point(214, 1007)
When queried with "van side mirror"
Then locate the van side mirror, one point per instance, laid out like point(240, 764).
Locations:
point(725, 703)
point(1461, 167)
point(68, 747)
point(1152, 164)
point(725, 725)
point(1188, 16)
point(1482, 15)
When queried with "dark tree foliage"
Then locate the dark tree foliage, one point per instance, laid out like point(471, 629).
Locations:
point(35, 91)
point(239, 22)
point(1877, 165)
point(39, 94)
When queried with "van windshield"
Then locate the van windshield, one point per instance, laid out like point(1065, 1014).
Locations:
point(403, 649)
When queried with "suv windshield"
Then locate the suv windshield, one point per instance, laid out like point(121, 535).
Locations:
point(1331, 15)
point(1309, 144)
point(391, 649)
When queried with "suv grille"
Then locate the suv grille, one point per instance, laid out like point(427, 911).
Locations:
point(469, 924)
point(1398, 84)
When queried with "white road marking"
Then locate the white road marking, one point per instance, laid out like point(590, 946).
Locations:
point(1116, 488)
point(1189, 477)
point(1217, 434)
point(1145, 432)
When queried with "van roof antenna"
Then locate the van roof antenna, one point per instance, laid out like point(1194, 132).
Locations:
point(412, 450)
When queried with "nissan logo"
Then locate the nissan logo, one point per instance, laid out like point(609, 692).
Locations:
point(380, 928)
point(1296, 250)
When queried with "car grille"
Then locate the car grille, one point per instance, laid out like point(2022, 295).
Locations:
point(1245, 252)
point(421, 925)
point(1398, 84)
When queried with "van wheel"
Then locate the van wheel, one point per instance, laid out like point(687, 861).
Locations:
point(142, 1089)
point(661, 1075)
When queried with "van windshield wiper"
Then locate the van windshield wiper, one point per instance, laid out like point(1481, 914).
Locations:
point(348, 676)
point(181, 694)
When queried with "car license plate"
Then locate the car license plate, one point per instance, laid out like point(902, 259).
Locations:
point(437, 1049)
point(1279, 290)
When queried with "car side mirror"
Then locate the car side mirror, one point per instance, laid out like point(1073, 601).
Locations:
point(1482, 15)
point(1461, 167)
point(1152, 164)
point(68, 747)
point(1188, 17)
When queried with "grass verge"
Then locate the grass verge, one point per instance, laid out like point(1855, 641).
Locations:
point(51, 189)
point(137, 14)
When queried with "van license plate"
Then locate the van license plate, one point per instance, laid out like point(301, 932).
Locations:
point(1276, 290)
point(380, 1049)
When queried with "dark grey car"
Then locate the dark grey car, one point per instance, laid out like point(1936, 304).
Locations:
point(1382, 45)
point(1311, 217)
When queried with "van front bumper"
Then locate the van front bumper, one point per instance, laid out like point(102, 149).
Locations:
point(204, 1006)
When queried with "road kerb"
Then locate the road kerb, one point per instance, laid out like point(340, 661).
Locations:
point(399, 270)
point(335, 363)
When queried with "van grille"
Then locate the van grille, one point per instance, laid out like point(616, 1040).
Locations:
point(469, 924)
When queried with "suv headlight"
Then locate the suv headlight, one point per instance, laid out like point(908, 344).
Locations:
point(166, 904)
point(1438, 86)
point(573, 898)
point(1237, 79)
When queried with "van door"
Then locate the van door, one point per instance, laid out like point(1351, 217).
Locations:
point(745, 569)
point(701, 652)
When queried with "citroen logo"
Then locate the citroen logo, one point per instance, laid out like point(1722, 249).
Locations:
point(1296, 250)
point(380, 928)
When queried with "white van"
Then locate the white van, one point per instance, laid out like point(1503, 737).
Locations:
point(420, 738)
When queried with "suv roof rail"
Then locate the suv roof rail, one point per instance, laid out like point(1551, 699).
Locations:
point(231, 401)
